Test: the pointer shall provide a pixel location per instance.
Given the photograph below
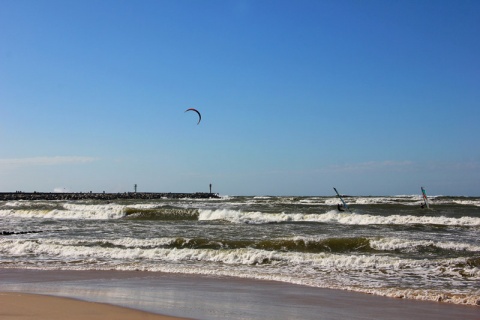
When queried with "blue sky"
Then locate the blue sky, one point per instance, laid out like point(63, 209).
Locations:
point(372, 97)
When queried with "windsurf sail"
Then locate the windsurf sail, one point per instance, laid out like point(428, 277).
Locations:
point(341, 199)
point(425, 198)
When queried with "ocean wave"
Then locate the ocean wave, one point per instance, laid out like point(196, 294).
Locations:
point(110, 211)
point(280, 245)
point(333, 216)
point(325, 263)
point(468, 202)
point(424, 295)
point(24, 213)
point(340, 269)
point(396, 244)
point(236, 216)
point(161, 213)
point(71, 211)
point(295, 244)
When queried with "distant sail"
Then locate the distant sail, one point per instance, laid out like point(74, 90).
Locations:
point(425, 199)
point(341, 199)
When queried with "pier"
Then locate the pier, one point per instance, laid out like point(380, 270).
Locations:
point(12, 196)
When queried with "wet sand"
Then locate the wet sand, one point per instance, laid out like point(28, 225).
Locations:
point(22, 306)
point(209, 297)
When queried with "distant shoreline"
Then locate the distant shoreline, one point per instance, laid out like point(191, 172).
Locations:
point(12, 196)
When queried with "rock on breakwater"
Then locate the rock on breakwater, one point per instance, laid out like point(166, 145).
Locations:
point(11, 196)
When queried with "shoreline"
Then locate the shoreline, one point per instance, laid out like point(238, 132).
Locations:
point(210, 297)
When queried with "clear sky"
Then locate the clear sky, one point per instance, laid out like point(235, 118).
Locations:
point(372, 97)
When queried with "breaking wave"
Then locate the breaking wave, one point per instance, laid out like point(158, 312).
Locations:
point(333, 216)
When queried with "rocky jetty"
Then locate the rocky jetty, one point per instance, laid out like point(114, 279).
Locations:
point(10, 196)
point(9, 233)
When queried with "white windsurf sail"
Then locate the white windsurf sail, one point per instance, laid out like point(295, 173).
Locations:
point(425, 198)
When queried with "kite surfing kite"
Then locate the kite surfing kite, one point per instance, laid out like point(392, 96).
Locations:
point(199, 115)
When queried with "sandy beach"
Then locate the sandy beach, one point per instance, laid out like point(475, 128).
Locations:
point(24, 306)
point(147, 295)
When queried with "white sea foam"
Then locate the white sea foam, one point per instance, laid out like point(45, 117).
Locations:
point(375, 200)
point(71, 211)
point(312, 201)
point(305, 265)
point(468, 202)
point(69, 249)
point(13, 204)
point(126, 242)
point(315, 269)
point(24, 213)
point(243, 217)
point(390, 244)
point(425, 295)
point(151, 249)
point(361, 219)
point(333, 216)
point(144, 206)
point(21, 204)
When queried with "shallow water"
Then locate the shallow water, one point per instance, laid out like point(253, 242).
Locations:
point(214, 297)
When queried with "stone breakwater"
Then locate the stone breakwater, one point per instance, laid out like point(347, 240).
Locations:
point(11, 196)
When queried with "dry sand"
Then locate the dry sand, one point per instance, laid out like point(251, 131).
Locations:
point(22, 306)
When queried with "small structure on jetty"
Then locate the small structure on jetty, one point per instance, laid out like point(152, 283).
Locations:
point(11, 196)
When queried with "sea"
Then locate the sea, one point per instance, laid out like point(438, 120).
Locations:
point(386, 245)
